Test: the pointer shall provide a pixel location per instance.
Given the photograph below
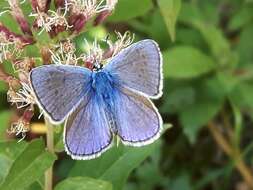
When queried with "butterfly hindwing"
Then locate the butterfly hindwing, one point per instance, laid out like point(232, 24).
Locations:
point(137, 120)
point(87, 130)
point(139, 67)
point(59, 88)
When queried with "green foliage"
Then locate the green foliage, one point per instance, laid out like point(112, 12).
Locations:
point(129, 9)
point(115, 165)
point(83, 183)
point(5, 118)
point(241, 18)
point(196, 116)
point(244, 47)
point(193, 63)
point(28, 166)
point(170, 10)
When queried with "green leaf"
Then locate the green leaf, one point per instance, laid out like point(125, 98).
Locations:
point(227, 81)
point(245, 45)
point(216, 41)
point(241, 18)
point(207, 104)
point(5, 123)
point(175, 99)
point(170, 10)
point(3, 86)
point(149, 174)
point(115, 165)
point(192, 13)
point(5, 163)
point(214, 37)
point(128, 9)
point(9, 151)
point(196, 116)
point(242, 95)
point(189, 14)
point(212, 175)
point(154, 27)
point(181, 183)
point(186, 62)
point(191, 37)
point(28, 166)
point(12, 149)
point(126, 163)
point(8, 21)
point(35, 186)
point(83, 183)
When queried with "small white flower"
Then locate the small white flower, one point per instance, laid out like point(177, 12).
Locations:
point(94, 52)
point(9, 47)
point(87, 7)
point(65, 54)
point(19, 127)
point(123, 41)
point(47, 21)
point(23, 98)
point(110, 4)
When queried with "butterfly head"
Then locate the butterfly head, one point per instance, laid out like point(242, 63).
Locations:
point(97, 67)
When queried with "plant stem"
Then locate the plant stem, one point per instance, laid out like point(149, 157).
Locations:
point(50, 148)
point(234, 153)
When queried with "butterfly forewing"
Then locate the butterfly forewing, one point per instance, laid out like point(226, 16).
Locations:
point(87, 130)
point(60, 88)
point(139, 67)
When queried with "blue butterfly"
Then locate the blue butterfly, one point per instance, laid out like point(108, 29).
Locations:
point(109, 101)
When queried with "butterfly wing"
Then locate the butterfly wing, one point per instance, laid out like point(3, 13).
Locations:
point(137, 119)
point(87, 130)
point(59, 88)
point(139, 67)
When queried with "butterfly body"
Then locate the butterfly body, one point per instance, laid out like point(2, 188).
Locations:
point(104, 87)
point(96, 105)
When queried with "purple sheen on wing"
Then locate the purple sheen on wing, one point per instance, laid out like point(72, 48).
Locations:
point(138, 121)
point(87, 130)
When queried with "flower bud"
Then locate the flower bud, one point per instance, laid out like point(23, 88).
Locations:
point(88, 65)
point(22, 126)
point(59, 3)
point(19, 16)
point(77, 22)
point(41, 5)
point(24, 65)
point(101, 17)
point(27, 115)
point(46, 55)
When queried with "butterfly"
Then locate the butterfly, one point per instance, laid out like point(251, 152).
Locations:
point(99, 104)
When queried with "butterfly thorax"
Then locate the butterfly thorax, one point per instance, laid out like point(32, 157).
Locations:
point(102, 83)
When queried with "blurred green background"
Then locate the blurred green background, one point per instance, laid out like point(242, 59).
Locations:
point(207, 46)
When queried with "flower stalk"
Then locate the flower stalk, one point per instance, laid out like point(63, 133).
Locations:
point(50, 148)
